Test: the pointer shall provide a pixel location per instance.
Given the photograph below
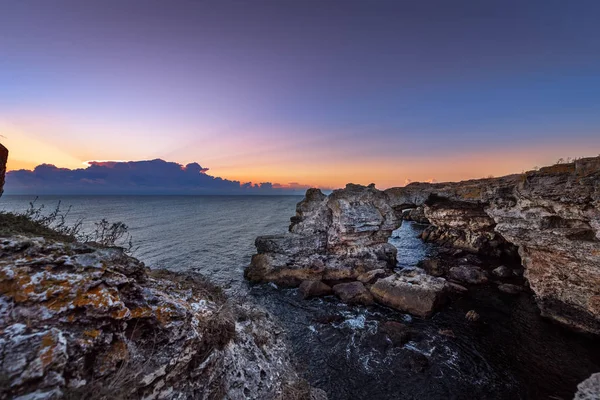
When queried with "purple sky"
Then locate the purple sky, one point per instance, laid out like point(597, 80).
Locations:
point(317, 92)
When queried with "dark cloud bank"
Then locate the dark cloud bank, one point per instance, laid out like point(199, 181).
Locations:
point(134, 177)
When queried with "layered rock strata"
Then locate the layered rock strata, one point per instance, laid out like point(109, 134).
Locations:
point(332, 238)
point(551, 215)
point(78, 320)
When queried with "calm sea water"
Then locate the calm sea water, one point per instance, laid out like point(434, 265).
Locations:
point(511, 354)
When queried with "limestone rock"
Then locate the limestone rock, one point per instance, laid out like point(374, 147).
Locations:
point(415, 214)
point(414, 293)
point(335, 237)
point(510, 289)
point(468, 274)
point(372, 276)
point(589, 389)
point(503, 272)
point(433, 267)
point(353, 293)
point(79, 319)
point(552, 216)
point(314, 289)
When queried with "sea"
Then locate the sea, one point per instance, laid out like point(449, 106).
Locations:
point(511, 353)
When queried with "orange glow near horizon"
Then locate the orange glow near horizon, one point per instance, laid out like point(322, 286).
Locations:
point(265, 157)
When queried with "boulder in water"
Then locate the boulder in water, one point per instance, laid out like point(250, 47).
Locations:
point(468, 274)
point(313, 288)
point(413, 292)
point(353, 293)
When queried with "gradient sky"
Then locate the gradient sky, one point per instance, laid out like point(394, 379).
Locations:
point(312, 91)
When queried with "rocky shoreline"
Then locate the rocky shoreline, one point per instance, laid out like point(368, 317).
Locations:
point(549, 220)
point(79, 320)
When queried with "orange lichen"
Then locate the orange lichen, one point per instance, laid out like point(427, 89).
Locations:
point(558, 169)
point(472, 193)
point(93, 333)
point(47, 349)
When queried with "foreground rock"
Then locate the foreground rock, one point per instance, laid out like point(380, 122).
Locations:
point(413, 292)
point(468, 274)
point(332, 238)
point(552, 216)
point(82, 321)
point(314, 289)
point(589, 389)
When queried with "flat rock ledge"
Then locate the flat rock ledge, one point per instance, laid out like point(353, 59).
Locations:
point(81, 321)
point(413, 292)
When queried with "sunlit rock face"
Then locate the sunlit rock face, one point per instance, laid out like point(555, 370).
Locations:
point(81, 321)
point(3, 159)
point(331, 238)
point(552, 216)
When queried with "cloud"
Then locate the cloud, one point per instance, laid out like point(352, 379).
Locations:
point(134, 177)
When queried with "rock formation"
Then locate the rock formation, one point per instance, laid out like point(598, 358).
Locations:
point(552, 216)
point(589, 389)
point(331, 238)
point(3, 160)
point(79, 320)
point(547, 219)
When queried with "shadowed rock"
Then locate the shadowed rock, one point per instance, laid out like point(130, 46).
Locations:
point(468, 274)
point(3, 160)
point(353, 293)
point(314, 289)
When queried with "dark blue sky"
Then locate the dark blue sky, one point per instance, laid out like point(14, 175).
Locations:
point(317, 92)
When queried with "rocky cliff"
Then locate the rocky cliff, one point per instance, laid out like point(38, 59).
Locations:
point(548, 219)
point(331, 238)
point(552, 216)
point(3, 160)
point(83, 321)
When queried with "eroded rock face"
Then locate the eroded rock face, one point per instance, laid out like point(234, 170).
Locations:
point(552, 216)
point(3, 160)
point(331, 238)
point(78, 319)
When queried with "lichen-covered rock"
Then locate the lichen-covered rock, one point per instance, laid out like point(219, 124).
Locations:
point(3, 160)
point(589, 389)
point(79, 319)
point(412, 292)
point(552, 216)
point(335, 237)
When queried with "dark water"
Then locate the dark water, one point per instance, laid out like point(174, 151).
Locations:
point(511, 353)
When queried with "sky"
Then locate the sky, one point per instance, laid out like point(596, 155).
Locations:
point(307, 93)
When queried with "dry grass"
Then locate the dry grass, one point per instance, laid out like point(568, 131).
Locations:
point(18, 224)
